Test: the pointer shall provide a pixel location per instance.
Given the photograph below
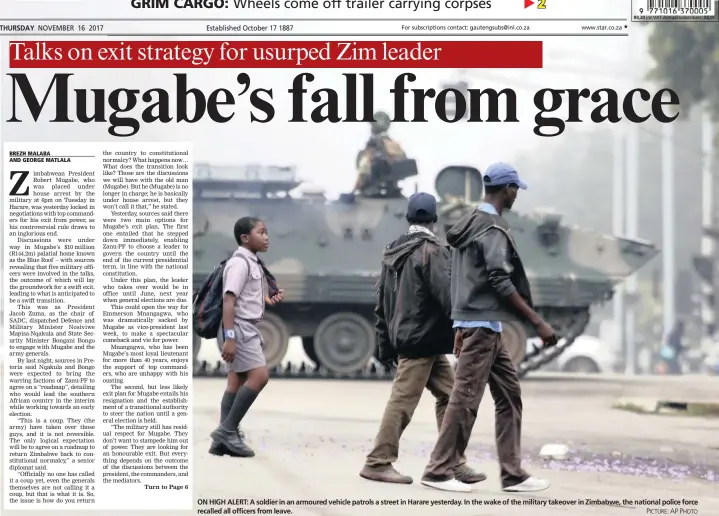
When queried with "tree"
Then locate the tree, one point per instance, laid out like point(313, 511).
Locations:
point(686, 56)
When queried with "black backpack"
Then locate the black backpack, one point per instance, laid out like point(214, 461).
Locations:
point(207, 304)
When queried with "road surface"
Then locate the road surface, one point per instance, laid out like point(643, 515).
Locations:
point(311, 438)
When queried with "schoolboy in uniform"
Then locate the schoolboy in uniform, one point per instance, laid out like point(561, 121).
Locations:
point(243, 307)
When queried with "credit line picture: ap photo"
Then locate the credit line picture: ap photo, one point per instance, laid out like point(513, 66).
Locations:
point(340, 257)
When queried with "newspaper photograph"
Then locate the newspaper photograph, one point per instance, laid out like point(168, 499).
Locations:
point(348, 257)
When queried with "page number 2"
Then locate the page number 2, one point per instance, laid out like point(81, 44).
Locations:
point(542, 4)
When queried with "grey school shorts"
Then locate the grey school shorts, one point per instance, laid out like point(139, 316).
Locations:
point(249, 353)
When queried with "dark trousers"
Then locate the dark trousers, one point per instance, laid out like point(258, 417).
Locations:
point(483, 360)
point(674, 366)
point(412, 377)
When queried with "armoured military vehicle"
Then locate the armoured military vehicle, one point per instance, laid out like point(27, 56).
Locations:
point(326, 254)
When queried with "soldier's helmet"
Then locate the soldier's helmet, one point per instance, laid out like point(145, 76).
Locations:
point(381, 122)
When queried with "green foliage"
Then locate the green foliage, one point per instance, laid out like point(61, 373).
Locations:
point(687, 60)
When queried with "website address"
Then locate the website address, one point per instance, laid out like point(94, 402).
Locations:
point(604, 28)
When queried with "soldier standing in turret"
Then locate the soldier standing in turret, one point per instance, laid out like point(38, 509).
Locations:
point(380, 145)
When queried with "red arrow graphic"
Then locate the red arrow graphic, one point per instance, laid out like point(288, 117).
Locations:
point(528, 3)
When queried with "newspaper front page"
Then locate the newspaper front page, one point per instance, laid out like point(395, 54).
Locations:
point(135, 134)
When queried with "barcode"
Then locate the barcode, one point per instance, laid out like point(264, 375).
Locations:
point(679, 4)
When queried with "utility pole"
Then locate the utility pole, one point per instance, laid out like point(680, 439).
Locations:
point(707, 245)
point(632, 214)
point(618, 228)
point(668, 222)
point(636, 50)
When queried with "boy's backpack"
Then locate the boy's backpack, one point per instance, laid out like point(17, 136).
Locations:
point(207, 304)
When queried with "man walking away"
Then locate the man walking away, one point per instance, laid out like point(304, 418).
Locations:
point(675, 348)
point(489, 285)
point(414, 328)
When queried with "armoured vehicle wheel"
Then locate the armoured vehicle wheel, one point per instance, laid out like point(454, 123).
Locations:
point(514, 337)
point(275, 336)
point(308, 344)
point(344, 342)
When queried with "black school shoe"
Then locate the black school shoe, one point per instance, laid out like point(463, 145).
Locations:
point(220, 450)
point(239, 447)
